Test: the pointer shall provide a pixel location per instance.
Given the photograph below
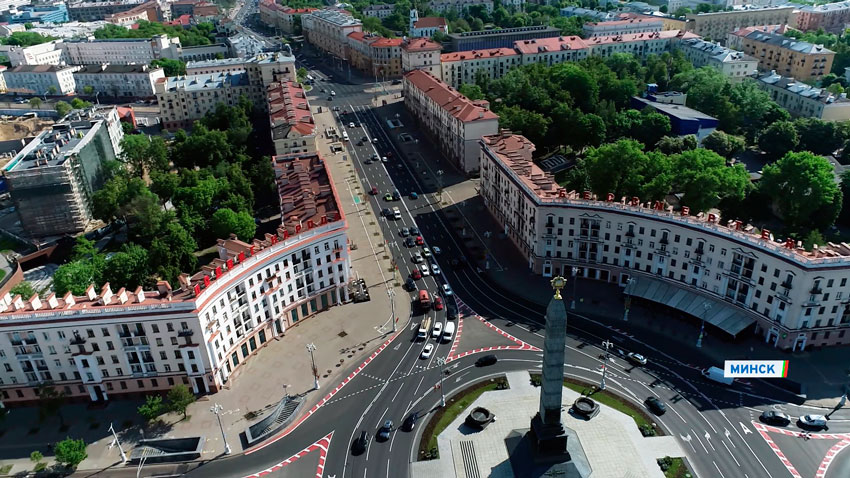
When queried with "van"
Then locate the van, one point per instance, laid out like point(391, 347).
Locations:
point(449, 332)
point(716, 374)
point(424, 300)
point(345, 135)
point(396, 213)
point(422, 334)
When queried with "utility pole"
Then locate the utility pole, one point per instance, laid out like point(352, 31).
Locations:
point(391, 293)
point(217, 410)
point(575, 283)
point(607, 344)
point(441, 362)
point(312, 348)
point(118, 443)
point(629, 286)
point(706, 307)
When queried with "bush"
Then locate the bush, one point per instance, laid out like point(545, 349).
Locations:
point(647, 430)
point(152, 408)
point(36, 456)
point(536, 380)
point(665, 463)
point(71, 452)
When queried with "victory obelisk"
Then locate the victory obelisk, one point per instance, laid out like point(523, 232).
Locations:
point(547, 431)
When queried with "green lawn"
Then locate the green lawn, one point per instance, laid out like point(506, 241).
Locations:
point(677, 469)
point(613, 401)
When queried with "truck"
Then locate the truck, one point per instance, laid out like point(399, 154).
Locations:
point(424, 300)
point(716, 374)
point(423, 329)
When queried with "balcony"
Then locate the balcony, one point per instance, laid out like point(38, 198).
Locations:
point(185, 333)
point(78, 340)
point(135, 343)
point(787, 285)
point(816, 289)
point(31, 351)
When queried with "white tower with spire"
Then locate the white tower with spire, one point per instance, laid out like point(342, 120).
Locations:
point(414, 17)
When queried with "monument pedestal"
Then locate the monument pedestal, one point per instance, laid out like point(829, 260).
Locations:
point(549, 440)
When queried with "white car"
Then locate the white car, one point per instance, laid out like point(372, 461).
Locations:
point(426, 352)
point(374, 140)
point(424, 269)
point(437, 331)
point(435, 269)
point(417, 258)
point(814, 421)
point(447, 290)
point(383, 159)
point(333, 93)
point(637, 359)
point(351, 125)
point(436, 250)
point(426, 252)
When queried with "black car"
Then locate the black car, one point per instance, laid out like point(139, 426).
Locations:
point(410, 284)
point(360, 444)
point(385, 431)
point(656, 406)
point(396, 196)
point(451, 314)
point(414, 231)
point(410, 242)
point(775, 418)
point(386, 212)
point(330, 98)
point(486, 360)
point(410, 422)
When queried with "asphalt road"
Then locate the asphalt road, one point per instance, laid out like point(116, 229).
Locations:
point(714, 423)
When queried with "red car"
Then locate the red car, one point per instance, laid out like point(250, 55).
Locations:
point(420, 241)
point(416, 275)
point(438, 303)
point(373, 191)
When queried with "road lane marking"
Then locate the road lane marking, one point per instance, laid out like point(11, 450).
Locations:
point(700, 442)
point(730, 453)
point(718, 469)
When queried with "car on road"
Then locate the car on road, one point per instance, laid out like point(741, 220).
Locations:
point(451, 312)
point(410, 422)
point(386, 212)
point(437, 331)
point(414, 231)
point(417, 257)
point(413, 195)
point(404, 232)
point(384, 159)
point(447, 290)
point(373, 191)
point(773, 417)
point(813, 421)
point(655, 405)
point(426, 252)
point(330, 98)
point(437, 250)
point(396, 81)
point(409, 242)
point(435, 268)
point(323, 90)
point(486, 360)
point(350, 125)
point(396, 195)
point(333, 93)
point(410, 284)
point(426, 352)
point(388, 197)
point(364, 139)
point(636, 359)
point(374, 140)
point(374, 157)
point(385, 431)
point(438, 303)
point(415, 274)
point(426, 271)
point(360, 444)
point(420, 241)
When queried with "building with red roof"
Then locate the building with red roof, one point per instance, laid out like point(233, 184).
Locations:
point(421, 54)
point(374, 54)
point(281, 17)
point(426, 27)
point(453, 121)
point(292, 125)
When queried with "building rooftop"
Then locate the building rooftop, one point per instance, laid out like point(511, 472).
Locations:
point(289, 110)
point(802, 89)
point(68, 30)
point(542, 45)
point(430, 22)
point(450, 100)
point(421, 44)
point(477, 54)
point(382, 42)
point(505, 31)
point(207, 81)
point(52, 147)
point(627, 21)
point(337, 17)
point(110, 68)
point(828, 7)
point(676, 111)
point(716, 51)
point(259, 59)
point(637, 37)
point(306, 192)
point(40, 68)
point(787, 43)
point(741, 9)
point(378, 7)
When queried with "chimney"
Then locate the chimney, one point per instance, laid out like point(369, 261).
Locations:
point(35, 302)
point(6, 299)
point(140, 294)
point(69, 299)
point(106, 294)
point(163, 287)
point(51, 301)
point(184, 281)
point(18, 302)
point(90, 293)
point(122, 295)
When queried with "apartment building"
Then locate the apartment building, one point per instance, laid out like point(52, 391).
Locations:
point(46, 13)
point(716, 26)
point(52, 179)
point(787, 56)
point(119, 51)
point(739, 280)
point(421, 54)
point(204, 52)
point(832, 17)
point(595, 15)
point(281, 17)
point(41, 79)
point(502, 38)
point(640, 45)
point(119, 81)
point(263, 69)
point(464, 66)
point(194, 8)
point(804, 100)
point(460, 6)
point(735, 65)
point(186, 99)
point(148, 11)
point(386, 59)
point(93, 11)
point(455, 122)
point(328, 30)
point(550, 51)
point(292, 125)
point(622, 27)
point(378, 10)
point(111, 343)
point(43, 54)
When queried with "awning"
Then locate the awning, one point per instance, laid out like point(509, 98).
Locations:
point(721, 314)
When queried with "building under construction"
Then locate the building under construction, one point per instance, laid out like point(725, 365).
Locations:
point(53, 178)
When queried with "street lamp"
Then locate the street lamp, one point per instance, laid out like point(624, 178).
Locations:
point(440, 183)
point(123, 455)
point(575, 282)
point(441, 362)
point(142, 460)
point(706, 307)
point(607, 344)
point(312, 348)
point(629, 287)
point(391, 293)
point(217, 410)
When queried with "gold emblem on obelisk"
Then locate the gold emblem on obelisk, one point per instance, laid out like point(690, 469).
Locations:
point(558, 283)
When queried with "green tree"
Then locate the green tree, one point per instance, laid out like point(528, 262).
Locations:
point(128, 267)
point(79, 104)
point(143, 154)
point(818, 136)
point(164, 184)
point(179, 398)
point(778, 139)
point(172, 252)
point(25, 39)
point(62, 108)
point(301, 73)
point(529, 123)
point(36, 457)
point(813, 238)
point(35, 102)
point(170, 67)
point(225, 222)
point(76, 277)
point(624, 169)
point(723, 144)
point(51, 90)
point(471, 91)
point(705, 180)
point(89, 90)
point(29, 25)
point(70, 452)
point(152, 408)
point(676, 144)
point(24, 288)
point(803, 187)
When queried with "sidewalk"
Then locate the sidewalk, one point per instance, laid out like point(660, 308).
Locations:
point(343, 335)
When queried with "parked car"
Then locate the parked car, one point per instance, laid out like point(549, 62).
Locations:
point(813, 421)
point(385, 431)
point(360, 444)
point(410, 422)
point(486, 360)
point(773, 417)
point(655, 405)
point(426, 352)
point(636, 359)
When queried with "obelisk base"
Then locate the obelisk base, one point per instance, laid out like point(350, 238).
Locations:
point(549, 441)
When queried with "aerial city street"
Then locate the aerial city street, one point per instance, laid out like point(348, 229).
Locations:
point(460, 238)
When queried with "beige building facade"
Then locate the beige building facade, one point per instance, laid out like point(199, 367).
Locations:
point(716, 26)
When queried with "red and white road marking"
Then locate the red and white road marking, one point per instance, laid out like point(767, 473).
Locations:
point(325, 399)
point(520, 345)
point(844, 442)
point(322, 446)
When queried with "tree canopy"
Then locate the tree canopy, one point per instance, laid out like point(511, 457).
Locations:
point(25, 39)
point(196, 35)
point(804, 189)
